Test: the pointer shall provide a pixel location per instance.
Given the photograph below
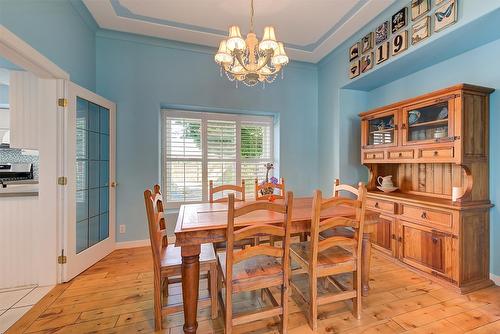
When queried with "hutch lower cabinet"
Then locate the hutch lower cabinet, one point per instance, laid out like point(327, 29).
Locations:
point(435, 147)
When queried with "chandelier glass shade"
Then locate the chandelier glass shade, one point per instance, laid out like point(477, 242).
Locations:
point(248, 60)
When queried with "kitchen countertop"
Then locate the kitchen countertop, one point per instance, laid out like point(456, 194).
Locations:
point(18, 190)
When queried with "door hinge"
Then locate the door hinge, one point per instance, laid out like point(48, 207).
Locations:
point(62, 259)
point(62, 180)
point(62, 103)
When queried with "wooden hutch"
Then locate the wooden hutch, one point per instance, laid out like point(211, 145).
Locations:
point(433, 145)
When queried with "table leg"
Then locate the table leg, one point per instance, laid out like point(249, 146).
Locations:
point(190, 286)
point(366, 252)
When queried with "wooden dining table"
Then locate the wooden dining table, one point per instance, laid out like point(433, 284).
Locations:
point(207, 223)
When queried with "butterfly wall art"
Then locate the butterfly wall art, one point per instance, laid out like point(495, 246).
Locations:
point(445, 15)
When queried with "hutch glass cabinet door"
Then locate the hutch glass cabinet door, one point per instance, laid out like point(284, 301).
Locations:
point(380, 130)
point(430, 122)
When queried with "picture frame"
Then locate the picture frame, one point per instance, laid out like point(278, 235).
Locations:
point(399, 43)
point(354, 51)
point(420, 30)
point(366, 62)
point(367, 42)
point(445, 15)
point(382, 53)
point(354, 69)
point(419, 8)
point(438, 2)
point(382, 33)
point(399, 20)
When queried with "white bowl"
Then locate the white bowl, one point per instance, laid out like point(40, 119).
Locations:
point(387, 189)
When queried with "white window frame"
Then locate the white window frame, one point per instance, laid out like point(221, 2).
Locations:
point(205, 116)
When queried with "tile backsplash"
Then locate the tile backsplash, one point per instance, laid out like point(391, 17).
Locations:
point(14, 155)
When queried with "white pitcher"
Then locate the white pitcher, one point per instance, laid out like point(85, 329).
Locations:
point(385, 181)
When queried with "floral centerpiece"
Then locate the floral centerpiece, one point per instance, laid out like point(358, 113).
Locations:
point(269, 190)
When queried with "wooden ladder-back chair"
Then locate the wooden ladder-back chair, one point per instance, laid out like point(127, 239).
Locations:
point(167, 262)
point(338, 190)
point(280, 186)
point(325, 257)
point(238, 189)
point(258, 267)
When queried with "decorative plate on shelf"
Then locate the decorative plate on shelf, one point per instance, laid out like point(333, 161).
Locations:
point(443, 113)
point(413, 116)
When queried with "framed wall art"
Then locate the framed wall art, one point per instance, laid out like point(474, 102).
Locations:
point(438, 2)
point(367, 42)
point(399, 19)
point(420, 30)
point(419, 8)
point(382, 53)
point(354, 69)
point(366, 62)
point(382, 33)
point(400, 42)
point(445, 15)
point(354, 51)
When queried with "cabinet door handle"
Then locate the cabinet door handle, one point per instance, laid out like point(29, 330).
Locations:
point(400, 239)
point(434, 240)
point(424, 215)
point(393, 236)
point(403, 126)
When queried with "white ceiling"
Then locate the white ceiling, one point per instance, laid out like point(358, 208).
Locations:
point(309, 28)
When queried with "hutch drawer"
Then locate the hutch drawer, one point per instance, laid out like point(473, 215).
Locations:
point(437, 152)
point(406, 154)
point(427, 216)
point(381, 205)
point(379, 155)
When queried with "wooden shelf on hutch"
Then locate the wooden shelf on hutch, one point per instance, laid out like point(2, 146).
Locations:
point(419, 224)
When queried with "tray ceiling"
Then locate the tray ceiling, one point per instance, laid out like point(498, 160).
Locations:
point(310, 29)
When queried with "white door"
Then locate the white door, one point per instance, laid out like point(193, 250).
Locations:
point(89, 228)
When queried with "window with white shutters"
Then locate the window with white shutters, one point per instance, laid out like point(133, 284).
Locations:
point(224, 148)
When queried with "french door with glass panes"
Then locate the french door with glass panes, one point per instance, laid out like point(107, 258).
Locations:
point(89, 228)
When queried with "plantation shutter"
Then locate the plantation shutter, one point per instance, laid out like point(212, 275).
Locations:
point(184, 177)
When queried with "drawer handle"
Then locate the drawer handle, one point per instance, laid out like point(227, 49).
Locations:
point(400, 154)
point(424, 215)
point(373, 156)
point(376, 205)
point(436, 153)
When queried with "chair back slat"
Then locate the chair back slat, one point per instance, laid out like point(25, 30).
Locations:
point(255, 206)
point(261, 229)
point(337, 188)
point(280, 186)
point(250, 252)
point(337, 222)
point(336, 241)
point(280, 229)
point(226, 187)
point(354, 243)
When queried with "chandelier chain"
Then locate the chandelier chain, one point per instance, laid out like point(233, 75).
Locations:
point(252, 12)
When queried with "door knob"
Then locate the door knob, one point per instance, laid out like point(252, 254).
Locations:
point(113, 184)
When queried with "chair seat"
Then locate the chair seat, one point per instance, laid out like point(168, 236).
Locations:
point(338, 231)
point(171, 256)
point(334, 256)
point(255, 273)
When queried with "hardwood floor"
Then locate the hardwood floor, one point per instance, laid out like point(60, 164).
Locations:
point(115, 296)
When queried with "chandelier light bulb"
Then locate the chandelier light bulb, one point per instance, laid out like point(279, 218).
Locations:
point(268, 40)
point(235, 41)
point(223, 55)
point(280, 57)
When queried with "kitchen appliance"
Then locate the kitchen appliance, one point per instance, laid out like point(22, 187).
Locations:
point(13, 173)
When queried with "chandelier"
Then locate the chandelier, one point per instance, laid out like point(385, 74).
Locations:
point(248, 60)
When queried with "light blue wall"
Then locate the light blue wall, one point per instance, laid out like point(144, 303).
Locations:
point(142, 74)
point(62, 30)
point(466, 52)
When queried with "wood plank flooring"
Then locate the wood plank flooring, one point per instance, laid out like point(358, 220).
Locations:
point(115, 296)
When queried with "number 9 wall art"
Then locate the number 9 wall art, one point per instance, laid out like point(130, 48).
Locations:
point(378, 46)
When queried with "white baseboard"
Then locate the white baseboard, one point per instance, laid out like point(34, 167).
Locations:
point(132, 244)
point(495, 279)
